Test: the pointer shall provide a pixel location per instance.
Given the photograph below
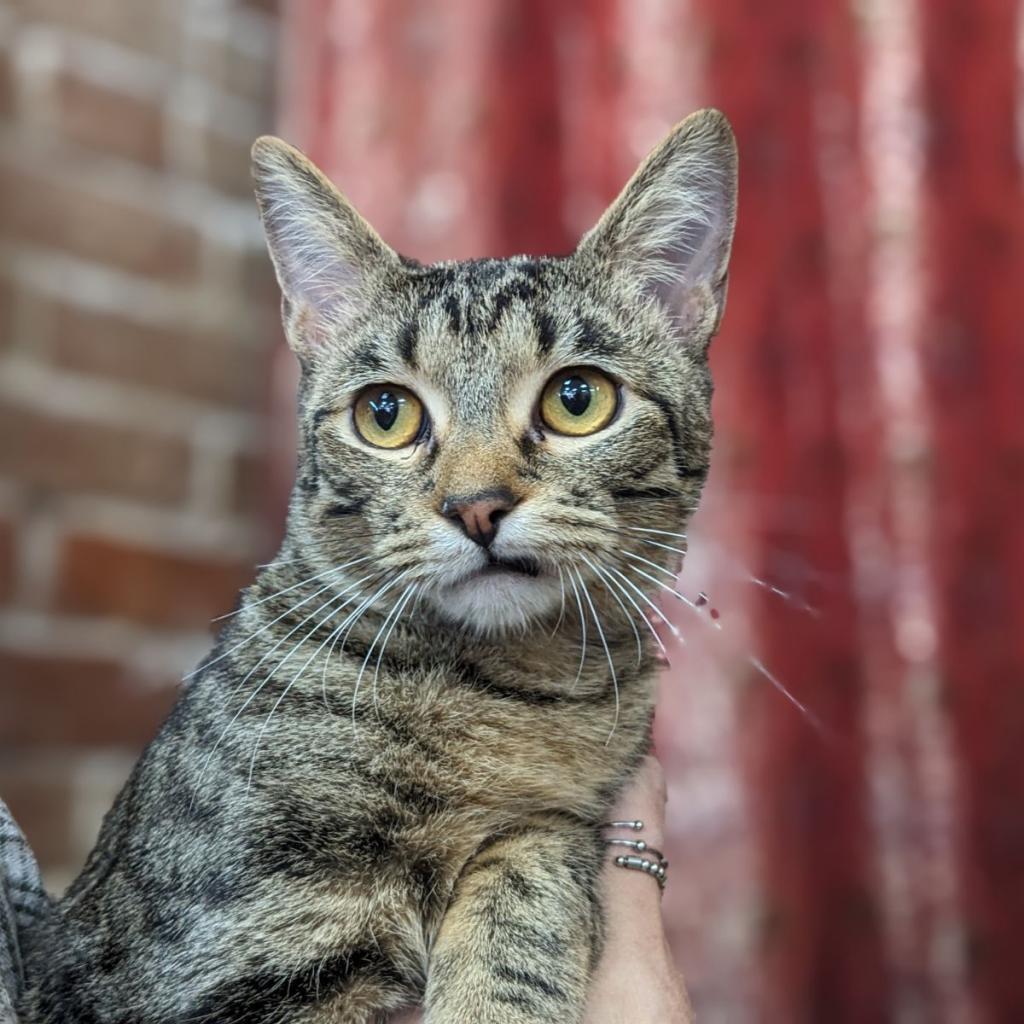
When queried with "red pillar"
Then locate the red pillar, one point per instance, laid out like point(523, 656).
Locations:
point(776, 69)
point(974, 363)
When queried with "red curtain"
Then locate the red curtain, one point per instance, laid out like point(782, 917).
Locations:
point(773, 70)
point(973, 358)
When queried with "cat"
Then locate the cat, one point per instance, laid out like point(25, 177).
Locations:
point(384, 786)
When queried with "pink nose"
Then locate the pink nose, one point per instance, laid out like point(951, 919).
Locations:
point(479, 514)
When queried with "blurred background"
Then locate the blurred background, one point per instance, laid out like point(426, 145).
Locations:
point(844, 727)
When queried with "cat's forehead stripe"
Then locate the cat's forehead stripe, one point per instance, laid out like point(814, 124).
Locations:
point(407, 341)
point(368, 360)
point(546, 334)
point(595, 339)
point(474, 300)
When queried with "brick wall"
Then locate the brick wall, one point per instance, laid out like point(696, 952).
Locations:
point(137, 319)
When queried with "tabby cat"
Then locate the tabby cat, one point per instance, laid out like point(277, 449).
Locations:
point(384, 785)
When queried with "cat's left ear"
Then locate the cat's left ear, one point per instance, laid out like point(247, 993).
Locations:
point(670, 230)
point(327, 257)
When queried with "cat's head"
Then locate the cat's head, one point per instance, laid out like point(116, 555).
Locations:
point(498, 432)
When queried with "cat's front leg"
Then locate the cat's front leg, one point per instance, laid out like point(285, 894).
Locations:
point(523, 930)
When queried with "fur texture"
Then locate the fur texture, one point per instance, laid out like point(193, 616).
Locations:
point(383, 786)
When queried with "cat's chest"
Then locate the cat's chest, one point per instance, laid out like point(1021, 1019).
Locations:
point(411, 776)
point(498, 751)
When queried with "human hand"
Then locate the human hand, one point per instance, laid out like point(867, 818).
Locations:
point(636, 981)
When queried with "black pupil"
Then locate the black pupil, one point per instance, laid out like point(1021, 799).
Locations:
point(385, 409)
point(575, 394)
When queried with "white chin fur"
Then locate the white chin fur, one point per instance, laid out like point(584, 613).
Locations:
point(497, 602)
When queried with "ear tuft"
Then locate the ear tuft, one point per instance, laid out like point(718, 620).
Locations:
point(324, 253)
point(670, 230)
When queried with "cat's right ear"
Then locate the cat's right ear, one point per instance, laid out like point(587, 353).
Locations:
point(325, 255)
point(670, 230)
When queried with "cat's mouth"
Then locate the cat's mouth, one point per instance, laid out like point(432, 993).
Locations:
point(516, 566)
point(504, 592)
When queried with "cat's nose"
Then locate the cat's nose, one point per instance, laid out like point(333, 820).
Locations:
point(479, 514)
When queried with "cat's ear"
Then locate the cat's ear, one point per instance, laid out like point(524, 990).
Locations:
point(325, 255)
point(670, 230)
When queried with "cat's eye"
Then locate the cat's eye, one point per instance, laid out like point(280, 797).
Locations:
point(579, 401)
point(388, 416)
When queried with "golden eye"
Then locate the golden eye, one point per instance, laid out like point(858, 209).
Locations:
point(388, 416)
point(578, 401)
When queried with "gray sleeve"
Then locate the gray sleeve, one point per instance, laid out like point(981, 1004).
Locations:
point(23, 901)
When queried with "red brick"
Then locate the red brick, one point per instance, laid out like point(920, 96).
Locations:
point(38, 210)
point(235, 70)
point(6, 310)
point(249, 76)
point(110, 121)
point(7, 546)
point(227, 164)
point(149, 27)
point(70, 455)
point(39, 793)
point(104, 577)
point(260, 285)
point(6, 85)
point(249, 490)
point(68, 701)
point(211, 368)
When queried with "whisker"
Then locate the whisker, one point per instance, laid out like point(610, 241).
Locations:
point(358, 613)
point(279, 561)
point(755, 662)
point(665, 547)
point(666, 587)
point(673, 629)
point(409, 592)
point(664, 533)
point(369, 651)
point(607, 654)
point(629, 618)
point(583, 632)
point(350, 621)
point(327, 661)
point(291, 651)
point(252, 636)
point(797, 603)
point(742, 572)
point(295, 629)
point(811, 717)
point(287, 590)
point(561, 609)
point(646, 621)
point(252, 696)
point(295, 678)
point(653, 565)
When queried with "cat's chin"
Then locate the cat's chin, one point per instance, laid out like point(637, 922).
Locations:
point(496, 601)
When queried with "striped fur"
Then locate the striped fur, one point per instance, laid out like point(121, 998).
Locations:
point(330, 826)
